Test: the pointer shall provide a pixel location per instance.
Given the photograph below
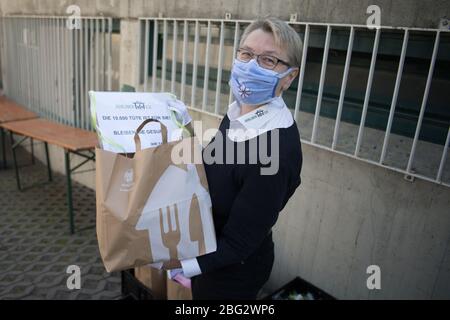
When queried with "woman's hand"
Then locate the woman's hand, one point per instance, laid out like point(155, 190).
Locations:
point(180, 110)
point(171, 264)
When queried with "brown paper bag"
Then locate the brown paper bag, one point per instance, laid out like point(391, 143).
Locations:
point(151, 208)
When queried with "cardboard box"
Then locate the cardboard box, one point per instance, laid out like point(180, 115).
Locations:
point(176, 291)
point(154, 279)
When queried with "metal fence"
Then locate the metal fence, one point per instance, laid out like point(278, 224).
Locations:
point(50, 67)
point(171, 46)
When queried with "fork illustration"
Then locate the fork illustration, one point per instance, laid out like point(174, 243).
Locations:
point(172, 237)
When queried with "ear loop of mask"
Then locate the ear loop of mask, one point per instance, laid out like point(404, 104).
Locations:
point(280, 76)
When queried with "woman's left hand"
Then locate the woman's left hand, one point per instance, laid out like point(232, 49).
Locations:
point(171, 264)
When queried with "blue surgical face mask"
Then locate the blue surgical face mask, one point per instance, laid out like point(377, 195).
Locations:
point(252, 84)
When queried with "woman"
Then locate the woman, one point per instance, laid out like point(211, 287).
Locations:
point(246, 200)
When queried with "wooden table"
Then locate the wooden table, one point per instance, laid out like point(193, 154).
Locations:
point(9, 112)
point(72, 140)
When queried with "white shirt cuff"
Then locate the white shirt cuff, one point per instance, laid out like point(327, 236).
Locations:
point(156, 265)
point(190, 267)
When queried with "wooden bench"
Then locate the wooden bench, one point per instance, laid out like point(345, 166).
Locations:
point(72, 140)
point(10, 112)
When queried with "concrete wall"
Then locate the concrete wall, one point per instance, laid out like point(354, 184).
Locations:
point(129, 42)
point(348, 215)
point(417, 13)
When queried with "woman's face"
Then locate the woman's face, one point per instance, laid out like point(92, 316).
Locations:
point(261, 42)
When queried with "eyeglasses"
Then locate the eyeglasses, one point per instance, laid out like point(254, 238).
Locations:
point(264, 60)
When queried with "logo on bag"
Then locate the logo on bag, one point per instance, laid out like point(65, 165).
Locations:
point(127, 183)
point(174, 220)
point(139, 105)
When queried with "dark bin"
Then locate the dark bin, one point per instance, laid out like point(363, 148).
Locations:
point(299, 286)
point(133, 289)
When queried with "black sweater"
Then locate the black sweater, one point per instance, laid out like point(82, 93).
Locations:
point(246, 204)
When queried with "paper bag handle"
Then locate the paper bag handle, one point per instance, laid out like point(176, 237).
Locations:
point(137, 139)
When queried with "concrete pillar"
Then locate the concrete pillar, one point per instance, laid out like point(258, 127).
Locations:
point(129, 52)
point(2, 56)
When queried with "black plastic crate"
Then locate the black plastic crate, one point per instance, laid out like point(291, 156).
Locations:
point(133, 289)
point(302, 287)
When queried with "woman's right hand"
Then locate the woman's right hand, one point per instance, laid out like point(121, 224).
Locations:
point(180, 110)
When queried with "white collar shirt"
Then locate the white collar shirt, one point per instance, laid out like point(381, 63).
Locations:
point(273, 115)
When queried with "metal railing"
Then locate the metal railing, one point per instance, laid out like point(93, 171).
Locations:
point(50, 68)
point(185, 36)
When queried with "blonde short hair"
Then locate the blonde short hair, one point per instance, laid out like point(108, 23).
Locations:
point(285, 37)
